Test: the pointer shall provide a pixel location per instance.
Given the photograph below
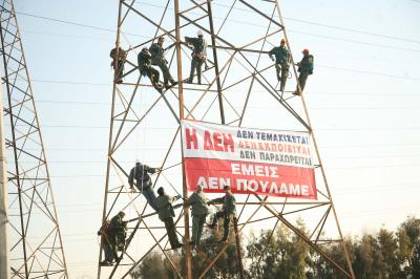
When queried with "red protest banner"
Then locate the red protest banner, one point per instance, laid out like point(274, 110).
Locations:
point(277, 163)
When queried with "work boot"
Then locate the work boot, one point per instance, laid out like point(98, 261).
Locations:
point(105, 263)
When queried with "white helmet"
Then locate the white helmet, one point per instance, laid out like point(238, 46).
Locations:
point(199, 33)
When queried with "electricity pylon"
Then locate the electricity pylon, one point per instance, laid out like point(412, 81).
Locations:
point(36, 248)
point(239, 88)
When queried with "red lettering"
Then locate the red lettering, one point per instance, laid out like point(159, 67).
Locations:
point(191, 138)
point(228, 143)
point(208, 144)
point(217, 142)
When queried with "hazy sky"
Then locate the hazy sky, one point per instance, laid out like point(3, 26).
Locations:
point(363, 99)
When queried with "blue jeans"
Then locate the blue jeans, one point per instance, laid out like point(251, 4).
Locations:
point(150, 197)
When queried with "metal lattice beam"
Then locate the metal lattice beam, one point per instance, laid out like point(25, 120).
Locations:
point(239, 76)
point(36, 248)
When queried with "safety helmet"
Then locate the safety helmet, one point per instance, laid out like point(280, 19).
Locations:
point(305, 51)
point(199, 33)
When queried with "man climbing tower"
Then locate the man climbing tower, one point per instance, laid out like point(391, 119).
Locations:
point(198, 56)
point(107, 244)
point(282, 62)
point(158, 58)
point(118, 229)
point(113, 237)
point(228, 211)
point(139, 176)
point(305, 68)
point(199, 210)
point(146, 69)
point(118, 56)
point(166, 214)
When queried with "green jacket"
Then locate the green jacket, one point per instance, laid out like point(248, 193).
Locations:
point(281, 54)
point(117, 225)
point(229, 203)
point(158, 54)
point(198, 203)
point(144, 62)
point(306, 65)
point(164, 205)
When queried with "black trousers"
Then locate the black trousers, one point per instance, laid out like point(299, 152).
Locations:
point(119, 71)
point(165, 71)
point(170, 229)
point(151, 73)
point(196, 65)
point(226, 224)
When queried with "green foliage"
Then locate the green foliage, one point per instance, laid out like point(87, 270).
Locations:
point(154, 266)
point(415, 260)
point(281, 254)
point(277, 255)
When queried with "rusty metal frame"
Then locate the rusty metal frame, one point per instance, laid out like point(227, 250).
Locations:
point(32, 254)
point(225, 56)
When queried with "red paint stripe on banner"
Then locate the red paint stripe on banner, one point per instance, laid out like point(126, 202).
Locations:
point(249, 178)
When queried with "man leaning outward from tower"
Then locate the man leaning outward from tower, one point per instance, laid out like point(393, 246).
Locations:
point(305, 68)
point(199, 55)
point(158, 58)
point(199, 210)
point(228, 211)
point(282, 62)
point(166, 214)
point(139, 177)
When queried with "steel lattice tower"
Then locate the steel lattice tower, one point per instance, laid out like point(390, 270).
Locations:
point(239, 78)
point(36, 249)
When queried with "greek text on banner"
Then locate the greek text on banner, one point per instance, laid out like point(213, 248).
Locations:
point(267, 162)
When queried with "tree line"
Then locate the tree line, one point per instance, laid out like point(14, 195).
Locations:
point(281, 254)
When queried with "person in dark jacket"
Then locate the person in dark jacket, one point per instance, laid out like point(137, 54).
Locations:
point(139, 177)
point(118, 230)
point(305, 68)
point(199, 211)
point(282, 62)
point(146, 69)
point(166, 214)
point(198, 56)
point(228, 211)
point(118, 56)
point(113, 234)
point(107, 244)
point(158, 58)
